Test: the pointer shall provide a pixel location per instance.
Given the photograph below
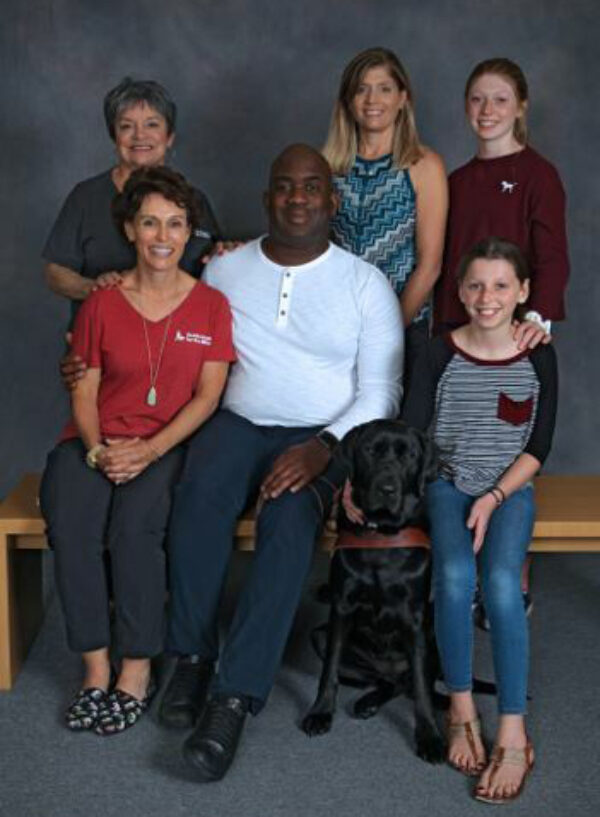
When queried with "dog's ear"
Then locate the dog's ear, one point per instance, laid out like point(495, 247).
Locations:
point(346, 449)
point(430, 465)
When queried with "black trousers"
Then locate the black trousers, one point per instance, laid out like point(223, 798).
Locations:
point(226, 462)
point(85, 513)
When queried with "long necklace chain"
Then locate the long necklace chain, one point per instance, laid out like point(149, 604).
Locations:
point(152, 395)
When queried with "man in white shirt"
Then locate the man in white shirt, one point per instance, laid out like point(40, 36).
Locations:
point(319, 339)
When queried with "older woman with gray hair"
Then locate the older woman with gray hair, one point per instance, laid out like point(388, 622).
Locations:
point(85, 250)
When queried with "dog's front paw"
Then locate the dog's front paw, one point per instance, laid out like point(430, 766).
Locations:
point(317, 723)
point(430, 746)
point(367, 706)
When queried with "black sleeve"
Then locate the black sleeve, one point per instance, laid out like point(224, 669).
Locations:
point(64, 245)
point(419, 404)
point(208, 221)
point(543, 360)
point(202, 238)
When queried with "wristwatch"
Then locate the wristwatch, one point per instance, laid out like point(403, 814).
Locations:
point(91, 457)
point(329, 440)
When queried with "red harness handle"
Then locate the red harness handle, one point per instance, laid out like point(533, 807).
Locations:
point(406, 538)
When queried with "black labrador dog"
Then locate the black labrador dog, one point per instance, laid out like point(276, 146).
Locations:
point(380, 631)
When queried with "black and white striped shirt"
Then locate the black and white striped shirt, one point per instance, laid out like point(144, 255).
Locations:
point(483, 413)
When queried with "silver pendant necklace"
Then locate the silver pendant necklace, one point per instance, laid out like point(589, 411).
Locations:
point(152, 395)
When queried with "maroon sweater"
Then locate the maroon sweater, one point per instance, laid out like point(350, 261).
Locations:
point(519, 198)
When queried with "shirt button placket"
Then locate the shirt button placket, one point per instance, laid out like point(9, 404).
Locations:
point(283, 307)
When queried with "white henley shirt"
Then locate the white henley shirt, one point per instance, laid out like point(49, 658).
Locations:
point(320, 344)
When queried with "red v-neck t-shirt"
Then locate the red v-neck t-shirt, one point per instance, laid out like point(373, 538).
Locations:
point(109, 334)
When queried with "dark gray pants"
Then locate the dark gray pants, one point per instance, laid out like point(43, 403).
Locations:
point(85, 513)
point(226, 461)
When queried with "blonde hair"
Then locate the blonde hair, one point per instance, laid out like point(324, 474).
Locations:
point(342, 140)
point(509, 70)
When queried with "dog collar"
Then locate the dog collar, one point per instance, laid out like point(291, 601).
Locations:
point(406, 538)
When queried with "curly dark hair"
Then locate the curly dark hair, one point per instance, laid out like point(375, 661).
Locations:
point(162, 180)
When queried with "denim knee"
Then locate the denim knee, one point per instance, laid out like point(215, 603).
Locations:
point(501, 585)
point(454, 577)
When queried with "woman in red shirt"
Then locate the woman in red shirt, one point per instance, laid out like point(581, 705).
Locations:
point(157, 348)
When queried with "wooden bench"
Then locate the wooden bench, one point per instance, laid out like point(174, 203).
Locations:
point(568, 520)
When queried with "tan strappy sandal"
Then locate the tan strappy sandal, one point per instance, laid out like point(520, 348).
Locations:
point(503, 757)
point(468, 730)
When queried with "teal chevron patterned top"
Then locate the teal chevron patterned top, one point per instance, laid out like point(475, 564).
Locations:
point(376, 219)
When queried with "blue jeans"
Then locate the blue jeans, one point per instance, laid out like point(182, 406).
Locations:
point(226, 462)
point(454, 579)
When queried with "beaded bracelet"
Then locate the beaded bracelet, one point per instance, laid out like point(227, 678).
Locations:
point(493, 490)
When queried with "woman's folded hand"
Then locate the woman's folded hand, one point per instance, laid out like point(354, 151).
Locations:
point(124, 459)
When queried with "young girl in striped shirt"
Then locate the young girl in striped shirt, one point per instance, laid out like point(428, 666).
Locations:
point(491, 408)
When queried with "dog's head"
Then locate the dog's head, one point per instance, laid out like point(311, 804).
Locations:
point(389, 464)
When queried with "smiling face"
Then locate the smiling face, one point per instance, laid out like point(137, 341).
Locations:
point(160, 231)
point(377, 102)
point(490, 292)
point(141, 137)
point(492, 108)
point(300, 199)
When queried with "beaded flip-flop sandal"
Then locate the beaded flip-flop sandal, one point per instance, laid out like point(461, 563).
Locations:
point(82, 713)
point(468, 730)
point(501, 757)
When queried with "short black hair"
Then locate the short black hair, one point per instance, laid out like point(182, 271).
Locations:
point(135, 92)
point(162, 180)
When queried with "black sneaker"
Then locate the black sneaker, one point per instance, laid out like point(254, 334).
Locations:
point(185, 695)
point(480, 616)
point(211, 747)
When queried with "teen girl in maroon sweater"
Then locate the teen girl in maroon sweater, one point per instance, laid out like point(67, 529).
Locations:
point(507, 189)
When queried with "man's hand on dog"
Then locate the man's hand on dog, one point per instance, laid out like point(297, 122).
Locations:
point(295, 468)
point(353, 513)
point(479, 518)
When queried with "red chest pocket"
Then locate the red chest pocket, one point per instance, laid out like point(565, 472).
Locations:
point(515, 412)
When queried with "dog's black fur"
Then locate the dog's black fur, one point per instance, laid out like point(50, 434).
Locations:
point(380, 631)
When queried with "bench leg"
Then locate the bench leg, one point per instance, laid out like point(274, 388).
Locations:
point(6, 662)
point(21, 607)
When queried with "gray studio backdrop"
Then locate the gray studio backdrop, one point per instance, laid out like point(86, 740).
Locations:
point(248, 78)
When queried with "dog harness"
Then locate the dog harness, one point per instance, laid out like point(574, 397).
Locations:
point(406, 538)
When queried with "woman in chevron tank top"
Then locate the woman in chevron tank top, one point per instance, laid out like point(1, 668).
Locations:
point(392, 189)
